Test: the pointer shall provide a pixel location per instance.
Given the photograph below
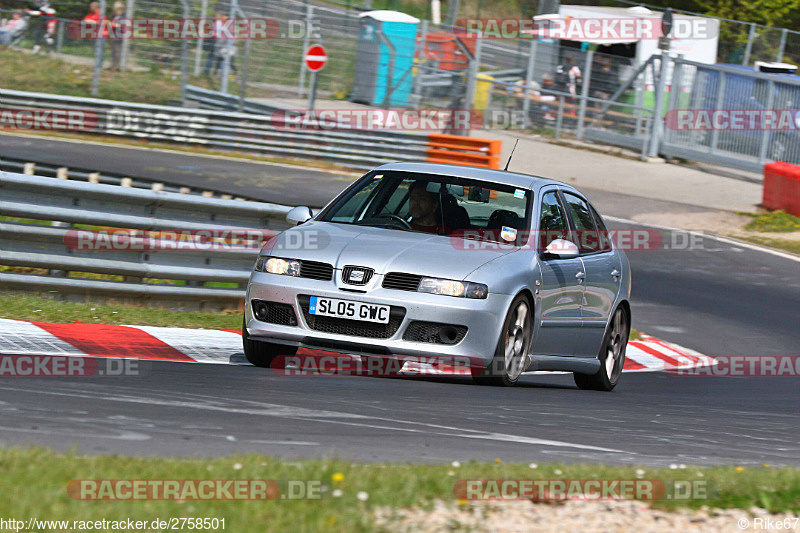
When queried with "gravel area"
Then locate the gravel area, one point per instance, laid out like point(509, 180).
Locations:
point(583, 516)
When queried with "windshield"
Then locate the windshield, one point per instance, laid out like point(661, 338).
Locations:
point(430, 203)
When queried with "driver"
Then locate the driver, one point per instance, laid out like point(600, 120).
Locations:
point(424, 208)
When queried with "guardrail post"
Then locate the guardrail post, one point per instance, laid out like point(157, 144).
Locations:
point(717, 105)
point(674, 100)
point(29, 169)
point(126, 44)
point(229, 46)
point(526, 102)
point(184, 54)
point(61, 173)
point(587, 80)
point(416, 83)
point(302, 81)
point(198, 55)
point(560, 117)
point(60, 36)
point(763, 148)
point(98, 52)
point(750, 38)
point(472, 81)
point(781, 46)
point(658, 111)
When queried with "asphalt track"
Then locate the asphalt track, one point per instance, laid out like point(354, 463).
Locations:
point(257, 181)
point(718, 298)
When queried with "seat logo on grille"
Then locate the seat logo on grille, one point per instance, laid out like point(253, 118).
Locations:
point(356, 275)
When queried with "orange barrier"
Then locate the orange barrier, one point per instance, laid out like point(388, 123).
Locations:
point(782, 187)
point(458, 150)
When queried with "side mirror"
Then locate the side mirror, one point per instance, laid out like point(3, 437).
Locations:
point(298, 215)
point(561, 249)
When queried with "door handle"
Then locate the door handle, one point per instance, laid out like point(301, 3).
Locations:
point(615, 274)
point(580, 276)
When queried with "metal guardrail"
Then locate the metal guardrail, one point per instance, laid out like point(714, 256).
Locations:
point(248, 131)
point(47, 169)
point(64, 202)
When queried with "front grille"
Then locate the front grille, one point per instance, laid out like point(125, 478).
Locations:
point(434, 333)
point(348, 270)
point(401, 281)
point(316, 270)
point(274, 313)
point(352, 328)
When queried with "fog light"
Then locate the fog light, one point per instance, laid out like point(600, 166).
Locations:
point(448, 334)
point(260, 310)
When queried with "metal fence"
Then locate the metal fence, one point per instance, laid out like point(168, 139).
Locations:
point(50, 209)
point(699, 88)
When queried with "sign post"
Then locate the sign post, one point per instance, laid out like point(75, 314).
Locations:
point(315, 59)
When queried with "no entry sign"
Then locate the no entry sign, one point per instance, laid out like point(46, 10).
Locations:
point(315, 58)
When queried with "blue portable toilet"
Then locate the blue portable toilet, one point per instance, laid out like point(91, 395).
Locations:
point(388, 38)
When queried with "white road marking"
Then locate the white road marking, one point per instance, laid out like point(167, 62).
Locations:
point(712, 236)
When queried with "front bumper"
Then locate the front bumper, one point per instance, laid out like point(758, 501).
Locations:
point(482, 318)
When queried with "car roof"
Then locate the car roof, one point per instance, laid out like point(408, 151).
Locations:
point(502, 177)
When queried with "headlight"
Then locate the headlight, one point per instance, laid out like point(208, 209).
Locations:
point(276, 265)
point(448, 287)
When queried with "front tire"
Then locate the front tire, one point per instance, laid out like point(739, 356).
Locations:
point(511, 353)
point(260, 353)
point(612, 356)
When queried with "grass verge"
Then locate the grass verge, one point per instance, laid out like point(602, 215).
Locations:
point(38, 478)
point(25, 72)
point(774, 221)
point(31, 307)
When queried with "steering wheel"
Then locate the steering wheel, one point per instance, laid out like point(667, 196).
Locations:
point(398, 218)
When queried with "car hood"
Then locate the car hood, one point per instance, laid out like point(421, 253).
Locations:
point(385, 250)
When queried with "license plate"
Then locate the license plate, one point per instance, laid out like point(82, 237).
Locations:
point(348, 309)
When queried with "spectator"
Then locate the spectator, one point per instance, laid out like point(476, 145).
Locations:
point(540, 107)
point(574, 75)
point(604, 83)
point(224, 48)
point(46, 27)
point(116, 44)
point(95, 15)
point(210, 45)
point(13, 29)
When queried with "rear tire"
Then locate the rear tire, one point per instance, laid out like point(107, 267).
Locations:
point(511, 353)
point(612, 356)
point(261, 353)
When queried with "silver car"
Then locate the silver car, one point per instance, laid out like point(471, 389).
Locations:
point(416, 260)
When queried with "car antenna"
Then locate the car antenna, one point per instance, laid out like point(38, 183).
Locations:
point(512, 154)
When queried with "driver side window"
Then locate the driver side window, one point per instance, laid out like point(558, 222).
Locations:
point(553, 221)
